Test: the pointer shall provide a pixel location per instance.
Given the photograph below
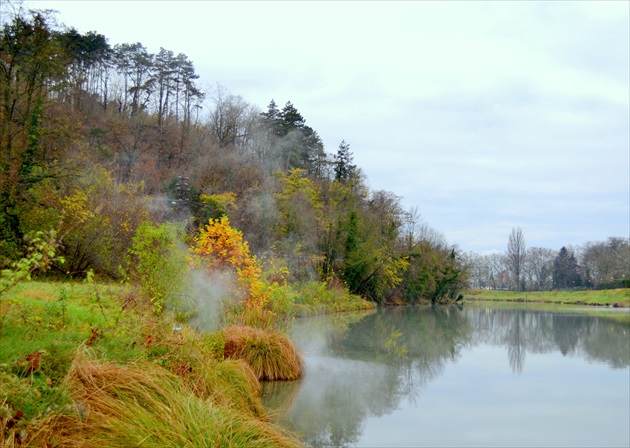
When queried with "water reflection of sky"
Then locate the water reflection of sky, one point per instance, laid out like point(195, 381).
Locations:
point(463, 378)
point(479, 401)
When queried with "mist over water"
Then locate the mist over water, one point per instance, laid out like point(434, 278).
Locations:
point(471, 376)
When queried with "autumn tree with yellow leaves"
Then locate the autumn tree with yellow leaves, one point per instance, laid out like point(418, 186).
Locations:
point(220, 247)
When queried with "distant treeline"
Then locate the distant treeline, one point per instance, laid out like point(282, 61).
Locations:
point(596, 265)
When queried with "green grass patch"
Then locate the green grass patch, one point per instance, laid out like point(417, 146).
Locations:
point(55, 318)
point(43, 324)
point(606, 297)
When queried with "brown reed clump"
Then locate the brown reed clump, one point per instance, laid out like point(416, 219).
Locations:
point(193, 357)
point(270, 354)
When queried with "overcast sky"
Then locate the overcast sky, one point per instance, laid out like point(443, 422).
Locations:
point(484, 115)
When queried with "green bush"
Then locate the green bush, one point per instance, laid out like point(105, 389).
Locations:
point(157, 261)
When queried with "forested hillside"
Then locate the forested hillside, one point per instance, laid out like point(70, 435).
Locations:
point(98, 140)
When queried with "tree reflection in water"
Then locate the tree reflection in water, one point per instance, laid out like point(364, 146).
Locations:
point(595, 338)
point(365, 366)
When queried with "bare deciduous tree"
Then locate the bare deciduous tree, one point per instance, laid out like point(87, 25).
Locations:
point(516, 255)
point(606, 261)
point(539, 267)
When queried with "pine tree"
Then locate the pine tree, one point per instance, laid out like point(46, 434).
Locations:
point(343, 162)
point(272, 115)
point(566, 272)
point(289, 120)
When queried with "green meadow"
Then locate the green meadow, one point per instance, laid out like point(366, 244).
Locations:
point(606, 297)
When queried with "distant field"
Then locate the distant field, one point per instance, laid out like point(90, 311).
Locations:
point(605, 297)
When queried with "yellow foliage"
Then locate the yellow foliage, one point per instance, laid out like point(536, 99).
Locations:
point(220, 246)
point(222, 201)
point(298, 189)
point(75, 208)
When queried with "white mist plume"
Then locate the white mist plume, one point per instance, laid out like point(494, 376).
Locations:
point(161, 204)
point(210, 292)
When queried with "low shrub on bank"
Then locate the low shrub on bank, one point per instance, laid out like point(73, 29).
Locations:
point(320, 298)
point(288, 301)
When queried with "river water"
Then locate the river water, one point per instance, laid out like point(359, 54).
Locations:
point(481, 375)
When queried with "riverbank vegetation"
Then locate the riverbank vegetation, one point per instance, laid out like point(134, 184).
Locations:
point(84, 364)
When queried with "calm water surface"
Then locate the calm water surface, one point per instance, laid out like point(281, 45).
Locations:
point(480, 375)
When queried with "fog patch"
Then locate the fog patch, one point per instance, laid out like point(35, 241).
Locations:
point(210, 294)
point(163, 207)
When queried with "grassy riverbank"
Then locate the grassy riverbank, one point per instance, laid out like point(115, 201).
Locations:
point(91, 365)
point(606, 297)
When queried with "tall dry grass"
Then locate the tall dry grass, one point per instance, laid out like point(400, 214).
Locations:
point(229, 383)
point(146, 405)
point(270, 354)
point(193, 357)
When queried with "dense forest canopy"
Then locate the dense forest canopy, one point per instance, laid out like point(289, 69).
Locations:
point(96, 140)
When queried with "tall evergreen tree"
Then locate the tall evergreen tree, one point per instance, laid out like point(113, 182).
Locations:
point(135, 63)
point(566, 273)
point(272, 115)
point(89, 55)
point(290, 142)
point(164, 77)
point(289, 119)
point(343, 162)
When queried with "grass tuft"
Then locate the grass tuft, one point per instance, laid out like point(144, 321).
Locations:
point(193, 357)
point(270, 354)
